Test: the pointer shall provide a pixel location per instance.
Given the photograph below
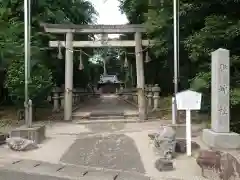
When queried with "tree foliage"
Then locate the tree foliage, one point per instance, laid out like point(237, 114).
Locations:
point(45, 67)
point(204, 27)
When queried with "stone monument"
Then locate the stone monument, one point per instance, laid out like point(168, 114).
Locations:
point(219, 136)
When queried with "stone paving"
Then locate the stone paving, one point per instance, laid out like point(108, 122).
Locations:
point(113, 147)
point(65, 138)
point(109, 105)
point(111, 152)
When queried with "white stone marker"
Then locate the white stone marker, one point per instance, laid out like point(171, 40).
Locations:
point(220, 91)
point(188, 100)
point(219, 136)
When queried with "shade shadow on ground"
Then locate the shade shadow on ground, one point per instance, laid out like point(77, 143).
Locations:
point(112, 151)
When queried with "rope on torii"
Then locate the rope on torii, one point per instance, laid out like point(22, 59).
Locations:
point(59, 56)
point(81, 66)
point(147, 58)
point(60, 46)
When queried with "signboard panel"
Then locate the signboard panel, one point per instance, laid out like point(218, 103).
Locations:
point(188, 100)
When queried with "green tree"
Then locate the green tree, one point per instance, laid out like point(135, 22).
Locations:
point(45, 67)
point(204, 27)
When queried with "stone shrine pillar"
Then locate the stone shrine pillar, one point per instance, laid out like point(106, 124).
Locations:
point(68, 77)
point(140, 77)
point(219, 136)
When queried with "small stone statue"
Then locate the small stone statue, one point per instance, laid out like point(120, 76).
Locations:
point(165, 142)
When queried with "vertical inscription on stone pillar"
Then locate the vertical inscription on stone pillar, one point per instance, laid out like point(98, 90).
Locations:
point(220, 91)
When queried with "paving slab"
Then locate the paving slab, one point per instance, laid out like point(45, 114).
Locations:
point(22, 164)
point(47, 167)
point(99, 175)
point(61, 171)
point(110, 151)
point(73, 171)
point(130, 176)
point(14, 175)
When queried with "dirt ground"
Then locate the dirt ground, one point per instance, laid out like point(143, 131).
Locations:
point(9, 119)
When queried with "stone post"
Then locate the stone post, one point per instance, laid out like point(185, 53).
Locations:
point(146, 93)
point(68, 77)
point(150, 96)
point(219, 136)
point(77, 96)
point(140, 77)
point(135, 96)
point(156, 91)
point(62, 100)
point(56, 98)
point(74, 97)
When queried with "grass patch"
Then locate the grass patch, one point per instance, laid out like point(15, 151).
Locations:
point(165, 103)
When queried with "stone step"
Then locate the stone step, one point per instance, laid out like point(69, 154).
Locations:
point(106, 113)
point(105, 117)
point(22, 168)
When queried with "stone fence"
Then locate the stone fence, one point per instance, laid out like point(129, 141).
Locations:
point(152, 94)
point(79, 95)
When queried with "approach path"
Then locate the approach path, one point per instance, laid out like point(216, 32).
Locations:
point(106, 105)
point(104, 151)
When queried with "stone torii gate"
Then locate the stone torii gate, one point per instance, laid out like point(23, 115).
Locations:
point(69, 44)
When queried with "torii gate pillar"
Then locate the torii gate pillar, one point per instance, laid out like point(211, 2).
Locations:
point(68, 77)
point(140, 77)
